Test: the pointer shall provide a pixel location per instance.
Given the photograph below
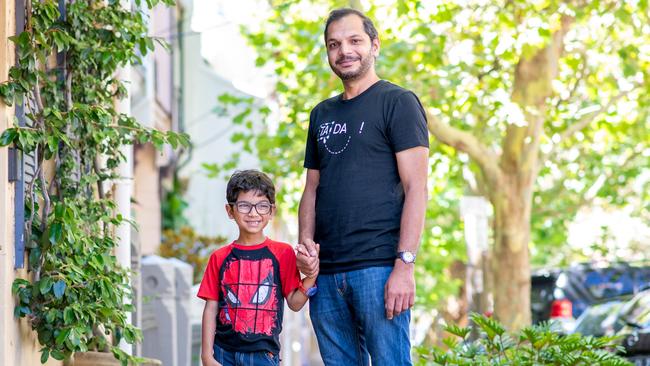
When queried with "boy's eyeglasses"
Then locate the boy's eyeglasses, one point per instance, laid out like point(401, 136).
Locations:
point(244, 207)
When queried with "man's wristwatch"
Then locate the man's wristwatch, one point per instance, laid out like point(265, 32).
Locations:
point(309, 292)
point(406, 256)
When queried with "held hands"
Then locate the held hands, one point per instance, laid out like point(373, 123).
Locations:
point(399, 292)
point(307, 258)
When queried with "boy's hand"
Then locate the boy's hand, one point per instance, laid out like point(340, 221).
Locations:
point(307, 258)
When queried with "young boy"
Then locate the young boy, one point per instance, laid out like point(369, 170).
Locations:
point(246, 282)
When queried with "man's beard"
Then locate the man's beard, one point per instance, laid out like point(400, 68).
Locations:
point(366, 64)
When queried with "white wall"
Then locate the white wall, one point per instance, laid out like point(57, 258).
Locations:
point(210, 135)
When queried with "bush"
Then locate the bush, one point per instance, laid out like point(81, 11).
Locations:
point(535, 345)
point(188, 246)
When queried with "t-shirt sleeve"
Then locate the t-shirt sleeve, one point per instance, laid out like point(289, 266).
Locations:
point(289, 275)
point(407, 123)
point(209, 288)
point(311, 148)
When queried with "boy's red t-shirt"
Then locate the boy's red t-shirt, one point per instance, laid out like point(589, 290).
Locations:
point(250, 284)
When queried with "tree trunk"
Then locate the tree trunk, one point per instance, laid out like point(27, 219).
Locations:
point(511, 267)
point(510, 175)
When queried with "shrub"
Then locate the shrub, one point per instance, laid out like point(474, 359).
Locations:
point(535, 345)
point(188, 246)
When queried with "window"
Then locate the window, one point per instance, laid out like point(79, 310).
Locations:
point(24, 166)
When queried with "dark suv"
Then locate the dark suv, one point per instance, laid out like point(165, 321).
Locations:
point(563, 294)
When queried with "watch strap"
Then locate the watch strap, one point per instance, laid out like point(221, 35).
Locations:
point(309, 292)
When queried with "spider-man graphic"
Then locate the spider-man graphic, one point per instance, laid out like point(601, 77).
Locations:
point(250, 290)
point(250, 284)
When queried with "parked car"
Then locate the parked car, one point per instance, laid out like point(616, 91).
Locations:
point(600, 319)
point(627, 317)
point(564, 294)
point(635, 318)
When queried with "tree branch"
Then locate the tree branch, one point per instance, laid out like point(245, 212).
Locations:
point(584, 198)
point(30, 194)
point(44, 214)
point(530, 157)
point(496, 66)
point(582, 124)
point(465, 142)
point(532, 86)
point(582, 73)
point(37, 96)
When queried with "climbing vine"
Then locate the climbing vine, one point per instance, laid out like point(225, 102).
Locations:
point(66, 78)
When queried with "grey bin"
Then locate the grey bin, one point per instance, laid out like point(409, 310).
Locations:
point(166, 287)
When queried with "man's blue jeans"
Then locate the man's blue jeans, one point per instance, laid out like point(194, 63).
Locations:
point(227, 358)
point(349, 319)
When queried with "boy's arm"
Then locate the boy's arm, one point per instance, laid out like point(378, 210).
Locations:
point(296, 299)
point(208, 328)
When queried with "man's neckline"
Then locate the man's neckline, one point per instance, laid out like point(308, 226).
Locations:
point(365, 92)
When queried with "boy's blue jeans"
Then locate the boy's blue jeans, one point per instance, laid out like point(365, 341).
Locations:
point(227, 358)
point(349, 319)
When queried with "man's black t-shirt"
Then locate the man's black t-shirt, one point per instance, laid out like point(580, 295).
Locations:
point(359, 198)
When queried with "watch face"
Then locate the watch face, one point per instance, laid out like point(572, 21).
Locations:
point(407, 257)
point(312, 291)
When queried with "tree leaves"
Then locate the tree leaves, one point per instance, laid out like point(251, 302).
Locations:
point(460, 59)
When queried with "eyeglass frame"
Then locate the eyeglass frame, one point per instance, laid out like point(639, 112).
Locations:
point(236, 207)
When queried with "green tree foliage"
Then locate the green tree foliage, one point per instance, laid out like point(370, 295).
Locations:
point(77, 299)
point(539, 106)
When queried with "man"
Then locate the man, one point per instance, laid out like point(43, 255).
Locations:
point(362, 210)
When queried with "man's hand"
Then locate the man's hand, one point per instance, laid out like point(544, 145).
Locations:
point(307, 258)
point(399, 292)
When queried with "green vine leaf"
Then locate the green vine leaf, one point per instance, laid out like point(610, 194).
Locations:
point(45, 354)
point(56, 230)
point(45, 285)
point(59, 289)
point(8, 136)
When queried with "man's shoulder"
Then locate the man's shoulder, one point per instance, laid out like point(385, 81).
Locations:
point(327, 103)
point(392, 89)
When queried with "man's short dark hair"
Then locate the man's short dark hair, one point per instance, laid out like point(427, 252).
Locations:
point(250, 180)
point(337, 14)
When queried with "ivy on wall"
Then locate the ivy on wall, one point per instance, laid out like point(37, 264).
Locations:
point(66, 79)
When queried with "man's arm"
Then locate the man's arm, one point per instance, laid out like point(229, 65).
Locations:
point(308, 261)
point(399, 294)
point(208, 328)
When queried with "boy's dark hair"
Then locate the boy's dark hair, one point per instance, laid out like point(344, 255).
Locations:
point(337, 14)
point(249, 180)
